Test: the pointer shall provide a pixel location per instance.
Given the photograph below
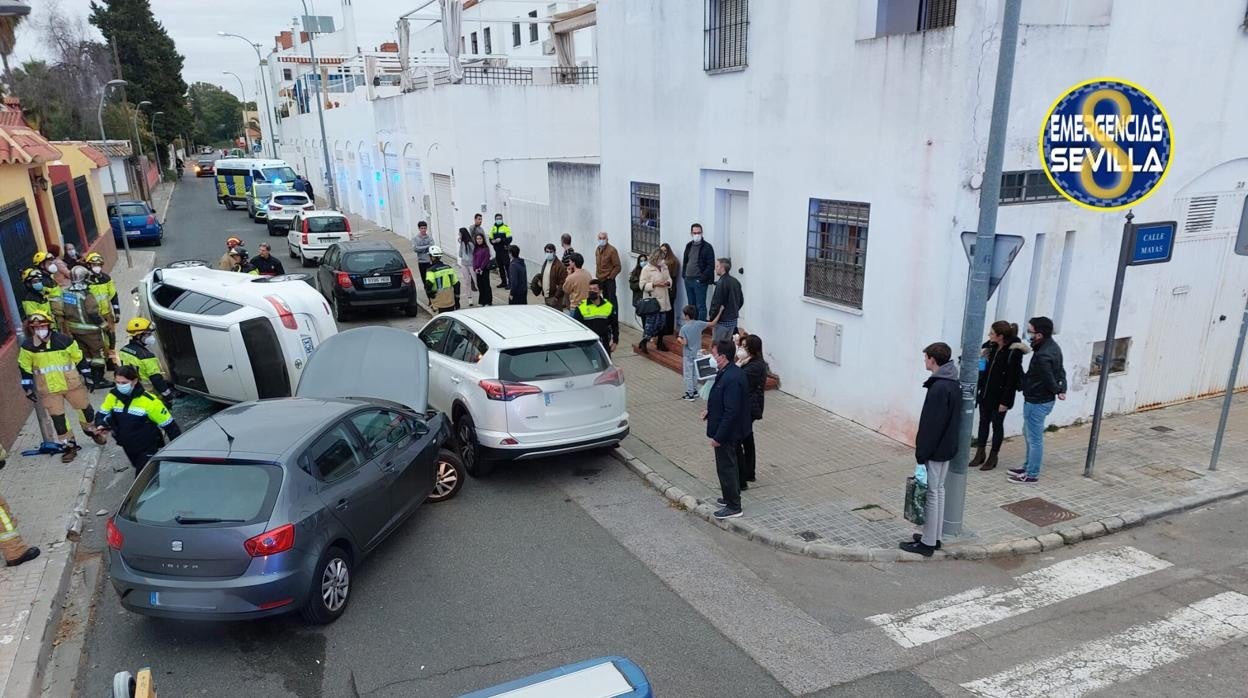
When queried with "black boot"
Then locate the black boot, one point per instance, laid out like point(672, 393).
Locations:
point(31, 553)
point(991, 462)
point(978, 460)
point(641, 346)
point(98, 380)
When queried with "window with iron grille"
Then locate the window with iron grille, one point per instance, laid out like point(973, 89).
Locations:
point(515, 34)
point(645, 215)
point(286, 74)
point(726, 34)
point(1026, 186)
point(473, 39)
point(489, 46)
point(836, 251)
point(86, 209)
point(533, 28)
point(935, 14)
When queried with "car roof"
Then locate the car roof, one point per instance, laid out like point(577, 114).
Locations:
point(259, 428)
point(320, 213)
point(522, 325)
point(365, 245)
point(285, 192)
point(128, 201)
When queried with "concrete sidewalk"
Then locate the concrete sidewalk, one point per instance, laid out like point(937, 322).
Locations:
point(46, 495)
point(828, 487)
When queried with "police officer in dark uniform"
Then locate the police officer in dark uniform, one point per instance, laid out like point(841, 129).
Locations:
point(136, 417)
point(599, 315)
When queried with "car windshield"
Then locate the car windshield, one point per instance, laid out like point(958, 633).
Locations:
point(278, 174)
point(326, 224)
point(552, 361)
point(175, 492)
point(290, 199)
point(130, 210)
point(376, 260)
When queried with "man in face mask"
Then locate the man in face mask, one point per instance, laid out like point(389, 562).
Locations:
point(104, 291)
point(136, 418)
point(47, 263)
point(599, 315)
point(138, 353)
point(607, 266)
point(53, 371)
point(699, 266)
point(500, 240)
point(552, 276)
point(87, 325)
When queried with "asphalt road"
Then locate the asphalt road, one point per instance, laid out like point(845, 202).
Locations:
point(510, 578)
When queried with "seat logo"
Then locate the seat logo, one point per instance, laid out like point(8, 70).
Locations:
point(177, 546)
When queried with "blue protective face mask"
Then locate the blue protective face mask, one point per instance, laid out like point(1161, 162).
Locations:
point(125, 388)
point(38, 286)
point(550, 256)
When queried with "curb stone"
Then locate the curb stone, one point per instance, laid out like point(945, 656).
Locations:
point(1030, 545)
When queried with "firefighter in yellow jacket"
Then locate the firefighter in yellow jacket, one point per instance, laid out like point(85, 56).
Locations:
point(11, 546)
point(101, 286)
point(86, 324)
point(54, 372)
point(138, 353)
point(441, 283)
point(38, 297)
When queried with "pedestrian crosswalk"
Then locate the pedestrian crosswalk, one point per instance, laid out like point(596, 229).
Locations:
point(1075, 669)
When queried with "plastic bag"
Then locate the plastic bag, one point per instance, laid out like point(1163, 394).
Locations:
point(915, 509)
point(920, 474)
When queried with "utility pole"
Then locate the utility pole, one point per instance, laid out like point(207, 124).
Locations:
point(981, 265)
point(99, 115)
point(320, 115)
point(264, 86)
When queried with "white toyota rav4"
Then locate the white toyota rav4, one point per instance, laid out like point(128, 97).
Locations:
point(522, 382)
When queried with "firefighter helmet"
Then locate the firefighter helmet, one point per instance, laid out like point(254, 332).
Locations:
point(41, 257)
point(138, 325)
point(232, 242)
point(94, 258)
point(38, 318)
point(29, 275)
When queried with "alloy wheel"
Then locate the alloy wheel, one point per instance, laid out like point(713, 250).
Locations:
point(335, 585)
point(445, 480)
point(467, 442)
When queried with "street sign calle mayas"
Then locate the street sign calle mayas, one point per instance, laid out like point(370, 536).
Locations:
point(1152, 243)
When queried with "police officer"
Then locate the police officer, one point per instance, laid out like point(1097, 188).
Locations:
point(599, 315)
point(225, 263)
point(138, 353)
point(500, 238)
point(53, 372)
point(136, 418)
point(441, 283)
point(86, 324)
point(104, 290)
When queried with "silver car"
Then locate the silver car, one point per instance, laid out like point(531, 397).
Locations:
point(268, 506)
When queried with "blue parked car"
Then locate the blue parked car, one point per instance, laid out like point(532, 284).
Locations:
point(140, 222)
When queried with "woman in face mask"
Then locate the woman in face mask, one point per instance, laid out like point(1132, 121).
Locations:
point(465, 259)
point(666, 256)
point(653, 306)
point(136, 418)
point(48, 263)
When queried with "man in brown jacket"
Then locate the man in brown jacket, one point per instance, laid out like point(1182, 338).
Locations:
point(551, 279)
point(576, 286)
point(607, 267)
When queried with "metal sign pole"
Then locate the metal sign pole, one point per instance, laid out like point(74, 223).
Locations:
point(1107, 354)
point(1230, 390)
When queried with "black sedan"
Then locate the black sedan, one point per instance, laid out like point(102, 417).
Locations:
point(366, 274)
point(268, 506)
point(205, 167)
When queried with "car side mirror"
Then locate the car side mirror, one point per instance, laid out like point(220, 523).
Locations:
point(422, 429)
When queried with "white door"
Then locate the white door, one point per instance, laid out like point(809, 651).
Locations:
point(735, 218)
point(443, 212)
point(393, 196)
point(412, 188)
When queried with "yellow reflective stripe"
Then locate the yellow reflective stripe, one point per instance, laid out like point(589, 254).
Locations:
point(590, 311)
point(7, 523)
point(52, 369)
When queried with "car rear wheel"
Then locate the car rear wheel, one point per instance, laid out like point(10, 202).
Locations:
point(341, 314)
point(331, 588)
point(303, 259)
point(229, 204)
point(411, 309)
point(448, 476)
point(469, 448)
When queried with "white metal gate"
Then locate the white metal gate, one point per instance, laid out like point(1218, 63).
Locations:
point(443, 212)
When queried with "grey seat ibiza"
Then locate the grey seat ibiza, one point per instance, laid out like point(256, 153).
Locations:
point(268, 506)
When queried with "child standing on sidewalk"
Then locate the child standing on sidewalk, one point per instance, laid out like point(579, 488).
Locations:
point(691, 339)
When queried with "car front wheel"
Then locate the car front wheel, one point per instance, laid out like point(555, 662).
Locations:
point(470, 448)
point(331, 588)
point(448, 476)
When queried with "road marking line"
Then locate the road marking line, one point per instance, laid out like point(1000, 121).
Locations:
point(1204, 625)
point(1039, 588)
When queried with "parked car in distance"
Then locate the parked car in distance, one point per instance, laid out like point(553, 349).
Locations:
point(268, 507)
point(522, 382)
point(205, 167)
point(261, 197)
point(282, 206)
point(366, 274)
point(139, 221)
point(312, 232)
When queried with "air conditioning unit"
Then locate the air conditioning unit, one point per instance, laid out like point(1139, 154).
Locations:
point(548, 47)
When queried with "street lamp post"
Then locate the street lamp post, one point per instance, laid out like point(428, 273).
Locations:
point(264, 85)
point(99, 115)
point(139, 142)
point(320, 116)
point(242, 93)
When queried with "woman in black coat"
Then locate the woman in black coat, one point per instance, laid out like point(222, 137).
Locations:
point(1001, 369)
point(756, 381)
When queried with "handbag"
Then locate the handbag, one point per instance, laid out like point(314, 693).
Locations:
point(647, 306)
point(915, 508)
point(535, 285)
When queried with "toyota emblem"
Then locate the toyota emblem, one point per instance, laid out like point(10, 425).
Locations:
point(568, 385)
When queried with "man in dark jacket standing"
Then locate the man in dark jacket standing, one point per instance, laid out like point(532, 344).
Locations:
point(699, 268)
point(936, 442)
point(726, 302)
point(517, 279)
point(1044, 382)
point(727, 419)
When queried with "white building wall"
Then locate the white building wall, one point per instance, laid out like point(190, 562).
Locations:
point(428, 38)
point(900, 122)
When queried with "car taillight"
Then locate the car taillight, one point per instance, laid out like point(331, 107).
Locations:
point(407, 277)
point(271, 542)
point(151, 219)
point(611, 376)
point(115, 539)
point(347, 222)
point(283, 311)
point(308, 207)
point(506, 391)
point(274, 207)
point(344, 280)
point(303, 239)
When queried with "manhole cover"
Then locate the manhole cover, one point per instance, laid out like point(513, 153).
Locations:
point(1164, 430)
point(1040, 512)
point(808, 536)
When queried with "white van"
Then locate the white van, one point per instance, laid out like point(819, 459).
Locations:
point(234, 337)
point(235, 177)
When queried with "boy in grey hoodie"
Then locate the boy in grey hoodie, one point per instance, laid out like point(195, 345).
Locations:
point(420, 245)
point(936, 442)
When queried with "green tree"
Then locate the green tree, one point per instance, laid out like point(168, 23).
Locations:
point(216, 114)
point(8, 40)
point(149, 59)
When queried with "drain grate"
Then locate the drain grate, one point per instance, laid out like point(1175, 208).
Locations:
point(1162, 429)
point(1040, 512)
point(809, 536)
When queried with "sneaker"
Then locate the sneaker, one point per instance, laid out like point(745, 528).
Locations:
point(917, 548)
point(721, 502)
point(1024, 479)
point(918, 538)
point(1016, 471)
point(689, 397)
point(727, 513)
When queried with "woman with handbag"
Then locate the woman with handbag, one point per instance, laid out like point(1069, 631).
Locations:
point(481, 268)
point(755, 369)
point(1001, 369)
point(465, 259)
point(653, 305)
point(673, 270)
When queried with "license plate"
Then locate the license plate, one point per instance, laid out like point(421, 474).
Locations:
point(133, 233)
point(377, 281)
point(331, 238)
